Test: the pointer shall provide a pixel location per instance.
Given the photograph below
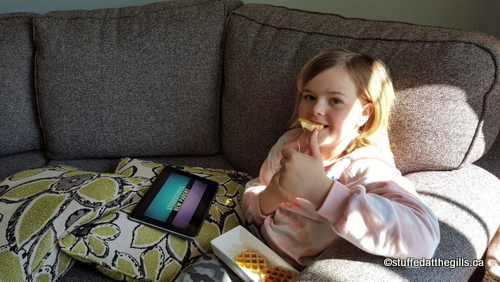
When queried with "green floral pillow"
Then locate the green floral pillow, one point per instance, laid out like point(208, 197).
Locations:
point(39, 206)
point(125, 249)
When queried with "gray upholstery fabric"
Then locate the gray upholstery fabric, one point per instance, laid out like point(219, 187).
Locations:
point(145, 82)
point(135, 81)
point(445, 82)
point(19, 126)
point(491, 160)
point(22, 161)
point(90, 274)
point(466, 223)
point(109, 165)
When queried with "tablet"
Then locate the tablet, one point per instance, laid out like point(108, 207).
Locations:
point(176, 202)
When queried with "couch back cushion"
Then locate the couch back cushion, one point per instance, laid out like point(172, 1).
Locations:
point(446, 81)
point(19, 126)
point(135, 81)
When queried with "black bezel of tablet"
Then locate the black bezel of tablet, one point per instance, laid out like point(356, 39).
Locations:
point(190, 229)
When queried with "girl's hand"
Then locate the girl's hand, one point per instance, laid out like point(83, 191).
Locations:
point(272, 197)
point(303, 175)
point(282, 195)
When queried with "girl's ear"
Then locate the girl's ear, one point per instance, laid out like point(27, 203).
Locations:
point(367, 112)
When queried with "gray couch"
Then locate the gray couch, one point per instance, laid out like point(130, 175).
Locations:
point(211, 83)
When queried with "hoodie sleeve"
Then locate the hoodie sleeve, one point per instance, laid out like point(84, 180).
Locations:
point(250, 201)
point(378, 210)
point(271, 165)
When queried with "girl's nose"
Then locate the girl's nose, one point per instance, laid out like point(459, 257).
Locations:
point(318, 108)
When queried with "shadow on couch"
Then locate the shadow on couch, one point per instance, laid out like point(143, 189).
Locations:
point(360, 266)
point(462, 207)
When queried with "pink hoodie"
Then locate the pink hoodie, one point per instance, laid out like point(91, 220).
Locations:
point(370, 205)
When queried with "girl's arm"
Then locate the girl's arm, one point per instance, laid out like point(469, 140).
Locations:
point(273, 196)
point(263, 195)
point(378, 211)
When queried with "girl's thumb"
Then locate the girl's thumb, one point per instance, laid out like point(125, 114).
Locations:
point(314, 145)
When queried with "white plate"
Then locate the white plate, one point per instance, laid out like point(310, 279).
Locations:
point(228, 245)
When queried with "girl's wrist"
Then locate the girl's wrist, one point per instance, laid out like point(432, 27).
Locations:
point(321, 192)
point(269, 201)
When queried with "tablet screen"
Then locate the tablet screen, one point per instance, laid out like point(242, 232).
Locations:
point(177, 201)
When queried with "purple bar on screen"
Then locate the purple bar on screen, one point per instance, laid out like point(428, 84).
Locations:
point(189, 206)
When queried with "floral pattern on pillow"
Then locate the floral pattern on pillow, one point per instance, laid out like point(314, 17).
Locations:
point(40, 206)
point(126, 249)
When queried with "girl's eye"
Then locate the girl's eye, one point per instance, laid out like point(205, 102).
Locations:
point(308, 97)
point(336, 101)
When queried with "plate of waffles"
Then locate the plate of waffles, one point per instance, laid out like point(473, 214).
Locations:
point(251, 259)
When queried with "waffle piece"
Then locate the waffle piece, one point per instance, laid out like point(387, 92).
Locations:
point(252, 261)
point(277, 275)
point(310, 125)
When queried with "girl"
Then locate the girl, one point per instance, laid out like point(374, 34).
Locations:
point(340, 181)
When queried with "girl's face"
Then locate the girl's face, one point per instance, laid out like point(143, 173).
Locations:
point(331, 98)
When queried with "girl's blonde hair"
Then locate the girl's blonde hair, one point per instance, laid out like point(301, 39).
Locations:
point(374, 86)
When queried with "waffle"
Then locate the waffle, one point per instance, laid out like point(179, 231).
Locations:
point(277, 275)
point(310, 125)
point(252, 261)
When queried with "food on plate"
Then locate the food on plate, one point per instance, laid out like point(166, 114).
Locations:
point(277, 274)
point(252, 261)
point(256, 263)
